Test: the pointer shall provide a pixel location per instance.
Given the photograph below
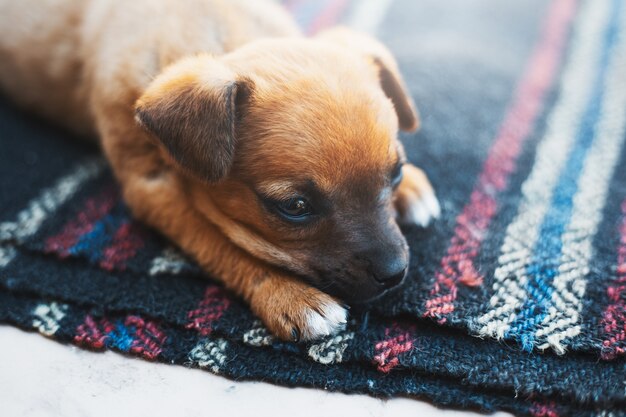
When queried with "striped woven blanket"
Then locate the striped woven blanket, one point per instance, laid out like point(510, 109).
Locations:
point(524, 121)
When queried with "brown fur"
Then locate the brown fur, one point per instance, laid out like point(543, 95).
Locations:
point(205, 124)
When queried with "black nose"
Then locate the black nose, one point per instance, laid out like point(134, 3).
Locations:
point(388, 268)
point(391, 279)
point(395, 279)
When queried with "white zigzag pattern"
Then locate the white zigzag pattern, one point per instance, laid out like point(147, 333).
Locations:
point(331, 350)
point(48, 316)
point(563, 123)
point(367, 15)
point(209, 354)
point(258, 335)
point(170, 261)
point(47, 202)
point(593, 187)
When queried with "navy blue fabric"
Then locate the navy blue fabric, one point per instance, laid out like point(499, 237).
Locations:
point(89, 274)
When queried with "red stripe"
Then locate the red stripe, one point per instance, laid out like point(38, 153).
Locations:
point(544, 409)
point(209, 311)
point(398, 340)
point(614, 316)
point(94, 210)
point(329, 16)
point(89, 334)
point(457, 266)
point(148, 338)
point(126, 242)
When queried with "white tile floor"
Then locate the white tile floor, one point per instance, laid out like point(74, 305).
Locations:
point(40, 377)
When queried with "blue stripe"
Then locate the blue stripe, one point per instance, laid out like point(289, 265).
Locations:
point(548, 250)
point(121, 337)
point(92, 244)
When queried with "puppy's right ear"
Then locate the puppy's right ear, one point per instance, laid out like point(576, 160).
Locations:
point(191, 109)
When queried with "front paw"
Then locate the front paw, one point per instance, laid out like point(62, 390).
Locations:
point(414, 199)
point(294, 311)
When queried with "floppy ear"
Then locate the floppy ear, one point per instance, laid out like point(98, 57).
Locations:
point(191, 109)
point(390, 79)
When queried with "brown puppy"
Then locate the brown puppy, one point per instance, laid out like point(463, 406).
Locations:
point(273, 162)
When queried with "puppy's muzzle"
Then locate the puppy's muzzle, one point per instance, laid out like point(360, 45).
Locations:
point(387, 264)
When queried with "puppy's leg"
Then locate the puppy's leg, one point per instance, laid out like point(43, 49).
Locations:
point(291, 309)
point(415, 199)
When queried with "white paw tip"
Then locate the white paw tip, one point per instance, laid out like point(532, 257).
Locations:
point(422, 211)
point(332, 319)
point(433, 205)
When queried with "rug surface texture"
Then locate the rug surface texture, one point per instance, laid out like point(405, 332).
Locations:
point(516, 298)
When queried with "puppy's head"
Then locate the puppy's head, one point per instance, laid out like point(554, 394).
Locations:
point(289, 146)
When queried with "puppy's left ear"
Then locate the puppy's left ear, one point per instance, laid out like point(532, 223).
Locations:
point(192, 110)
point(389, 76)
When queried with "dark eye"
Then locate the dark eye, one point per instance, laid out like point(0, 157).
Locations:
point(396, 176)
point(297, 208)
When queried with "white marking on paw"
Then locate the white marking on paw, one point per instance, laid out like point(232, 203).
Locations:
point(422, 211)
point(332, 319)
point(433, 205)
